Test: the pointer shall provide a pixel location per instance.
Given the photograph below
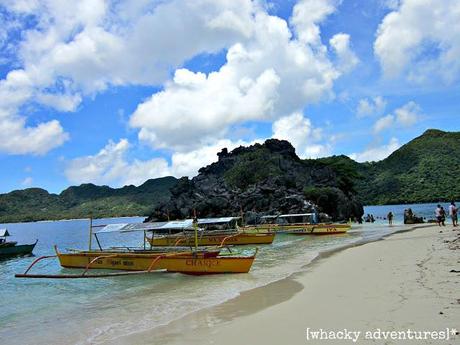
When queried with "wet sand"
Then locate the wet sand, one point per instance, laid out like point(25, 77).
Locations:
point(399, 283)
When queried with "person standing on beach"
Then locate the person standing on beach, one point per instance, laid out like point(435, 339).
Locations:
point(390, 218)
point(438, 214)
point(443, 216)
point(453, 213)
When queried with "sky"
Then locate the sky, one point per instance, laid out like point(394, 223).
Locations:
point(117, 92)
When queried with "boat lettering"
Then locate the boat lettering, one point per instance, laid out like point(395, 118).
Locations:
point(115, 262)
point(220, 239)
point(202, 262)
point(128, 263)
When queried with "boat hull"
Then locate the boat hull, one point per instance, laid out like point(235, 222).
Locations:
point(203, 266)
point(188, 263)
point(20, 250)
point(212, 240)
point(304, 229)
point(119, 260)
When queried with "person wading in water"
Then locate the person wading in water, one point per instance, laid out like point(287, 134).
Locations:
point(390, 218)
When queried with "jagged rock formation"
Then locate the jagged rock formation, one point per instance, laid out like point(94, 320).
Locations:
point(261, 179)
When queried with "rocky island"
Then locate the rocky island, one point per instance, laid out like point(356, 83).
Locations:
point(262, 179)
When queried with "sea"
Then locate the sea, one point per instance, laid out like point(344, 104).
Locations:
point(98, 311)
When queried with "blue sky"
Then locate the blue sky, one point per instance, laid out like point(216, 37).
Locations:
point(118, 92)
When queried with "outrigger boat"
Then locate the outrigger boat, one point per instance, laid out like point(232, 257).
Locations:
point(212, 231)
point(144, 260)
point(10, 248)
point(298, 224)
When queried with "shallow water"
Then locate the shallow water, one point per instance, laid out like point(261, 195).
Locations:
point(92, 311)
point(420, 210)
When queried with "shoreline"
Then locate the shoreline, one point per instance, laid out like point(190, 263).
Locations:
point(199, 326)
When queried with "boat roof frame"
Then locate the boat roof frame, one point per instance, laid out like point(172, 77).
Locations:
point(186, 224)
point(296, 215)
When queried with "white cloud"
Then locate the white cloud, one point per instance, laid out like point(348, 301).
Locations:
point(420, 40)
point(270, 74)
point(27, 182)
point(79, 48)
point(408, 114)
point(384, 123)
point(270, 71)
point(369, 107)
point(112, 166)
point(299, 131)
point(405, 116)
point(306, 14)
point(376, 153)
point(21, 139)
point(347, 59)
point(109, 166)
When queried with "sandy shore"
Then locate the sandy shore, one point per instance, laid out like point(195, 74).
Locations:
point(401, 283)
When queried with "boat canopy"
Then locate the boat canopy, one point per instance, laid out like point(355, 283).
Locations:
point(269, 217)
point(4, 233)
point(186, 224)
point(128, 227)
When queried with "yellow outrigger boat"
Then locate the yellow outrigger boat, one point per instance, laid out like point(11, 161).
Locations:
point(213, 231)
point(144, 260)
point(298, 224)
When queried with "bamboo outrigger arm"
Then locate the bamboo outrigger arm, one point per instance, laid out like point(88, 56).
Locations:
point(225, 239)
point(84, 274)
point(179, 241)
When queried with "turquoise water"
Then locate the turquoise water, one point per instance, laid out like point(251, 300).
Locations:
point(421, 210)
point(96, 311)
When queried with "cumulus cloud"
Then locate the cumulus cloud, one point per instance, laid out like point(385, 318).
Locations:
point(74, 49)
point(408, 114)
point(21, 139)
point(419, 39)
point(273, 69)
point(405, 116)
point(299, 131)
point(377, 153)
point(384, 123)
point(347, 59)
point(111, 165)
point(306, 14)
point(369, 107)
point(272, 73)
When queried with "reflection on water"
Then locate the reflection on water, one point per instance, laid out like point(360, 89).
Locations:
point(97, 310)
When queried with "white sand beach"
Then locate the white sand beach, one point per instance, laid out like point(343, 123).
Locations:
point(401, 283)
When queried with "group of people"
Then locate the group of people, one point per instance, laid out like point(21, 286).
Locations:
point(440, 213)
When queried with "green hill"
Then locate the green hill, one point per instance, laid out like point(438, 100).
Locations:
point(424, 170)
point(80, 201)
